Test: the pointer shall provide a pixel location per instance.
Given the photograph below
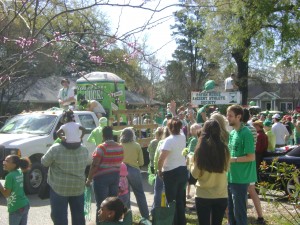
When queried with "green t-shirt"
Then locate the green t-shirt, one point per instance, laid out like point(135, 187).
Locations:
point(17, 198)
point(199, 116)
point(192, 144)
point(241, 143)
point(151, 149)
point(296, 136)
point(96, 135)
point(157, 153)
point(271, 141)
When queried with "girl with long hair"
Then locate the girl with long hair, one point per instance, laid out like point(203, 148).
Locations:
point(210, 165)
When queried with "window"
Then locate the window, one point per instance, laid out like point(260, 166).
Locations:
point(286, 106)
point(87, 121)
point(39, 124)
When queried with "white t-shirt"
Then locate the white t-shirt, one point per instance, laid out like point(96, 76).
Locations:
point(280, 131)
point(228, 83)
point(72, 132)
point(64, 94)
point(174, 144)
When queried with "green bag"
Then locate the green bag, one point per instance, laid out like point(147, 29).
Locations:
point(87, 202)
point(151, 176)
point(164, 215)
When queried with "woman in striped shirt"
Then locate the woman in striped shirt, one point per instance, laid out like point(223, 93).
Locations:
point(105, 168)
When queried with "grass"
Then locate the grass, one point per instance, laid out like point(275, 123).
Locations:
point(272, 219)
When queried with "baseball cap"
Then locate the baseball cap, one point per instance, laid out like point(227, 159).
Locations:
point(267, 123)
point(276, 116)
point(258, 122)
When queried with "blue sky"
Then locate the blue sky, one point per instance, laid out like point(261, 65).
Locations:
point(158, 37)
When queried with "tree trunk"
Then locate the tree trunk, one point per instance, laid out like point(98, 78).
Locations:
point(241, 57)
point(2, 111)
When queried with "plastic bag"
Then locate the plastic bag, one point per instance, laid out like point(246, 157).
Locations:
point(87, 202)
point(151, 176)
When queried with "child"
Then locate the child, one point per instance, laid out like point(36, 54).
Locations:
point(17, 202)
point(112, 209)
point(70, 133)
point(123, 186)
point(152, 147)
point(191, 148)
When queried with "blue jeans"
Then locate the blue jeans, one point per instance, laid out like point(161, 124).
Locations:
point(135, 181)
point(237, 204)
point(175, 181)
point(210, 211)
point(158, 189)
point(59, 208)
point(19, 217)
point(105, 186)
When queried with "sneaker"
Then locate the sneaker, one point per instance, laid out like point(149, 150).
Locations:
point(260, 220)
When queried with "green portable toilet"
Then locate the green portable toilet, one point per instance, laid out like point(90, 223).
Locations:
point(105, 87)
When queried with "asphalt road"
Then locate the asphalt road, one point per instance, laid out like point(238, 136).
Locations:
point(39, 212)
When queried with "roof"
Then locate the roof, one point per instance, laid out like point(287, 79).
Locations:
point(45, 90)
point(100, 77)
point(258, 88)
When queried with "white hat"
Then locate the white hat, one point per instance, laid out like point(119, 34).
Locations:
point(276, 116)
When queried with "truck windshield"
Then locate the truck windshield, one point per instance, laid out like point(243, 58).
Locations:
point(29, 124)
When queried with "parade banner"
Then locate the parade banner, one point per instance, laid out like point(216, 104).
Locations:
point(215, 98)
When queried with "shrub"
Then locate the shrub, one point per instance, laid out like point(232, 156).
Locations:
point(280, 176)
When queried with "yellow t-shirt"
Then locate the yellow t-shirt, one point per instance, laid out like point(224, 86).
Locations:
point(210, 185)
point(133, 154)
point(271, 141)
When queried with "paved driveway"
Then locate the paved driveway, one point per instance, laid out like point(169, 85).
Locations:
point(39, 212)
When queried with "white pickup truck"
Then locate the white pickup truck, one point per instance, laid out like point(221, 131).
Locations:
point(31, 135)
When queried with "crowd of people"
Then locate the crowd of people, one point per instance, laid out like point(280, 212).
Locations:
point(218, 154)
point(222, 154)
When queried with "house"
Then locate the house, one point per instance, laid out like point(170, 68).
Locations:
point(43, 94)
point(274, 96)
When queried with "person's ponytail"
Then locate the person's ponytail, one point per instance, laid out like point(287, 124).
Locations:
point(24, 163)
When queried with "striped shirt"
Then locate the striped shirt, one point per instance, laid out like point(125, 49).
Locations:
point(253, 131)
point(111, 155)
point(66, 174)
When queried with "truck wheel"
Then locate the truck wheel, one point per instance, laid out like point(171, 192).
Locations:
point(34, 178)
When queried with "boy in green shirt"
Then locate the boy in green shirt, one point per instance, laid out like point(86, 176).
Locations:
point(96, 135)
